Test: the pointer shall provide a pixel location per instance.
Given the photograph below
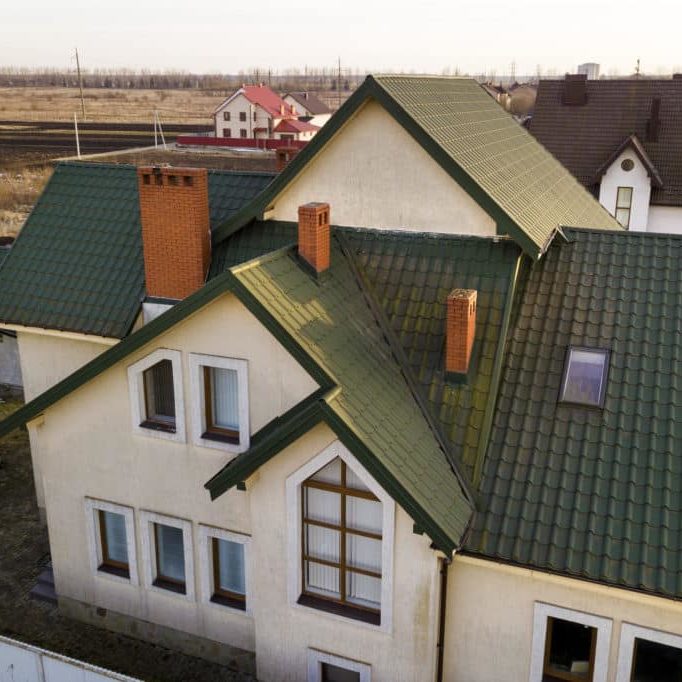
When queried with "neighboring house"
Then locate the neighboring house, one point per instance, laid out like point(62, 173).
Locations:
point(309, 107)
point(256, 112)
point(589, 69)
point(437, 443)
point(622, 140)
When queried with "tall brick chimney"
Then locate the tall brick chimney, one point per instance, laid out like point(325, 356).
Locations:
point(314, 235)
point(176, 234)
point(460, 330)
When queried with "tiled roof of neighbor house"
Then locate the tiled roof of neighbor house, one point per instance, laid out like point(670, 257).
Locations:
point(484, 150)
point(309, 102)
point(584, 137)
point(592, 493)
point(331, 320)
point(77, 263)
point(411, 274)
point(264, 97)
point(632, 142)
point(293, 125)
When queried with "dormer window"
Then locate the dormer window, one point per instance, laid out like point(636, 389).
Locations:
point(585, 374)
point(624, 206)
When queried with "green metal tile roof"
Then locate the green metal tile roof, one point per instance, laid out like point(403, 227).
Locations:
point(331, 320)
point(592, 493)
point(77, 263)
point(411, 275)
point(505, 169)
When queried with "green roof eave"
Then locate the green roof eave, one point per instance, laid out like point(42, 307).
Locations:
point(371, 89)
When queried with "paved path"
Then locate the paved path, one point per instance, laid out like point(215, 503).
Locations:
point(23, 552)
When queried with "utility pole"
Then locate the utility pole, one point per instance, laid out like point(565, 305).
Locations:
point(80, 83)
point(75, 125)
point(513, 72)
point(637, 68)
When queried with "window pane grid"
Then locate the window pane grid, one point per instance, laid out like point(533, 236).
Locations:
point(341, 581)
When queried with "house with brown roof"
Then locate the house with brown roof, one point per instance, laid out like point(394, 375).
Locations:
point(312, 109)
point(258, 113)
point(400, 415)
point(623, 140)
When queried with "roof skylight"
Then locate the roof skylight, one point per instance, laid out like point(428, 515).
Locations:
point(584, 381)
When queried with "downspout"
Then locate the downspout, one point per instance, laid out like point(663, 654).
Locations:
point(444, 563)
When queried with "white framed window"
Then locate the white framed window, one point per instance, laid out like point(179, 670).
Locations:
point(111, 541)
point(167, 554)
point(156, 395)
point(340, 540)
point(225, 569)
point(324, 667)
point(220, 402)
point(623, 206)
point(646, 655)
point(569, 645)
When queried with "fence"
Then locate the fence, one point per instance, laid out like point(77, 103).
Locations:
point(239, 142)
point(21, 662)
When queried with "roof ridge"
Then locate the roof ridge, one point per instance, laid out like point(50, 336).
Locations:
point(625, 233)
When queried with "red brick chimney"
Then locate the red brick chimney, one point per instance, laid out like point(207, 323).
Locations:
point(460, 330)
point(176, 234)
point(313, 235)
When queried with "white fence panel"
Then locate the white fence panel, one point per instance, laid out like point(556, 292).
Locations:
point(21, 662)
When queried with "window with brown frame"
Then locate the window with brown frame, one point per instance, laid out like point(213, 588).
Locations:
point(226, 115)
point(159, 397)
point(221, 404)
point(242, 132)
point(569, 651)
point(653, 662)
point(624, 205)
point(229, 579)
point(242, 116)
point(169, 549)
point(114, 543)
point(227, 132)
point(341, 544)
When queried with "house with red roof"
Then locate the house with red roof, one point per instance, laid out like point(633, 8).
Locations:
point(257, 112)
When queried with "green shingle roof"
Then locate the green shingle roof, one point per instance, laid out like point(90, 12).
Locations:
point(77, 263)
point(505, 169)
point(411, 275)
point(592, 493)
point(332, 321)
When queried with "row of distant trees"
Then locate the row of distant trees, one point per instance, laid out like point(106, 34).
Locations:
point(318, 79)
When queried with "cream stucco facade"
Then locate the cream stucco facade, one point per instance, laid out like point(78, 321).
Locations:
point(491, 618)
point(91, 455)
point(374, 174)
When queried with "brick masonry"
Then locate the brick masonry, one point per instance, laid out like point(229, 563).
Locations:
point(460, 330)
point(313, 235)
point(175, 229)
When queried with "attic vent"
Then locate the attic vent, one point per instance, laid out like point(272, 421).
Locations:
point(575, 89)
point(654, 123)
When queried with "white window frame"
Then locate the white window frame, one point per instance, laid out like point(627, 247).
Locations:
point(136, 389)
point(206, 534)
point(147, 521)
point(628, 634)
point(196, 362)
point(92, 507)
point(294, 531)
point(317, 658)
point(603, 626)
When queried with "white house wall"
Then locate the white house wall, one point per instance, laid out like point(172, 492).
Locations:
point(665, 219)
point(490, 613)
point(241, 104)
point(638, 179)
point(374, 174)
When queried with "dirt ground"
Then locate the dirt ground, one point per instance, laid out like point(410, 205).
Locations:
point(23, 552)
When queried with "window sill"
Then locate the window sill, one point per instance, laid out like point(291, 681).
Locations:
point(230, 602)
point(220, 438)
point(157, 426)
point(114, 570)
point(170, 586)
point(343, 610)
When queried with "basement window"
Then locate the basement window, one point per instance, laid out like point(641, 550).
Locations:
point(155, 385)
point(585, 374)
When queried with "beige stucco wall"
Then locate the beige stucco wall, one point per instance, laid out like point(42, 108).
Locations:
point(88, 448)
point(374, 174)
point(45, 360)
point(489, 626)
point(285, 631)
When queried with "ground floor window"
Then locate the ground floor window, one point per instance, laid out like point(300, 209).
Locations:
point(224, 559)
point(569, 645)
point(648, 655)
point(324, 667)
point(167, 554)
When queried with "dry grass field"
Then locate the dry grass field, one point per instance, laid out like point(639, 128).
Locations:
point(108, 105)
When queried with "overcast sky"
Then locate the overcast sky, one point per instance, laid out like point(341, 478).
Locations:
point(226, 36)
